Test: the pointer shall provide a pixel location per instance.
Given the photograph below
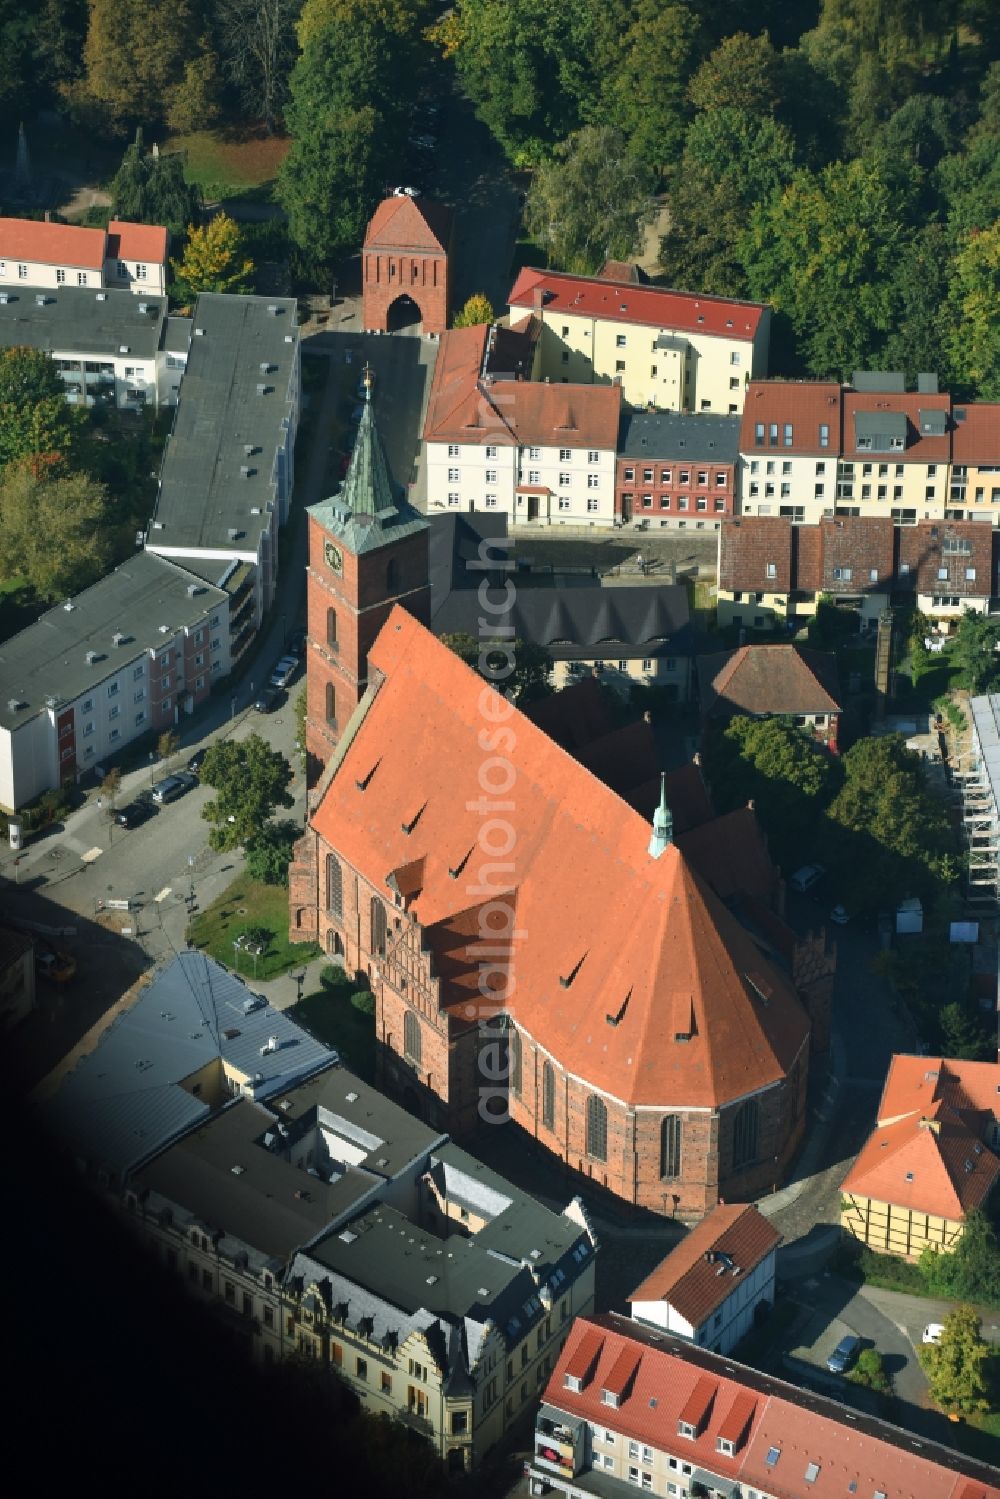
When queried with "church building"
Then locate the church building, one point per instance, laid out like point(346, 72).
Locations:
point(540, 956)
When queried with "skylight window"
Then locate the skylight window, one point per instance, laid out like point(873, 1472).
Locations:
point(812, 1472)
point(773, 1453)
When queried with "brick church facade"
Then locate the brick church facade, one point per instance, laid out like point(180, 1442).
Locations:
point(405, 265)
point(535, 952)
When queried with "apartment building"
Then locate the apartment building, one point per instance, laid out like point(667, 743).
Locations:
point(44, 254)
point(228, 466)
point(715, 1285)
point(109, 347)
point(770, 568)
point(124, 658)
point(675, 351)
point(539, 453)
point(930, 1159)
point(356, 1237)
point(629, 1407)
point(789, 449)
point(675, 470)
point(974, 490)
point(896, 450)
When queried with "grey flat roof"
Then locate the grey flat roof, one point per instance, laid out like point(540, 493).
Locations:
point(346, 1105)
point(49, 658)
point(986, 722)
point(124, 1101)
point(203, 494)
point(76, 319)
point(583, 623)
point(704, 437)
point(177, 335)
point(886, 382)
point(875, 424)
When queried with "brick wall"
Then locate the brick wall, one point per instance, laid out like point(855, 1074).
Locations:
point(389, 274)
point(667, 491)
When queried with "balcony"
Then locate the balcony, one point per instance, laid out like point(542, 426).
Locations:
point(558, 1443)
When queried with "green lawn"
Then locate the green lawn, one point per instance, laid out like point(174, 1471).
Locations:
point(330, 1016)
point(245, 904)
point(226, 167)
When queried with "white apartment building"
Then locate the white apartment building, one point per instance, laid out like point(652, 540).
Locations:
point(675, 351)
point(42, 254)
point(124, 658)
point(540, 454)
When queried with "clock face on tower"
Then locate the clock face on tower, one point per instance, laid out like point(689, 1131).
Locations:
point(334, 560)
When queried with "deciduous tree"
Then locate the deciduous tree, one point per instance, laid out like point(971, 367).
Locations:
point(478, 309)
point(251, 781)
point(532, 664)
point(258, 39)
point(213, 260)
point(270, 853)
point(136, 55)
point(331, 180)
point(975, 651)
point(53, 530)
point(591, 202)
point(974, 334)
point(742, 73)
point(956, 1366)
point(36, 424)
point(643, 97)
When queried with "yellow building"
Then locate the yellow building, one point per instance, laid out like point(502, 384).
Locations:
point(676, 351)
point(929, 1160)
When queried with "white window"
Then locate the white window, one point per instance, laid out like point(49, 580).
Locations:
point(88, 728)
point(165, 681)
point(490, 501)
point(534, 476)
point(970, 574)
point(140, 271)
point(491, 476)
point(563, 502)
point(592, 503)
point(454, 475)
point(81, 278)
point(593, 481)
point(619, 340)
point(565, 480)
point(22, 273)
point(593, 456)
point(734, 357)
point(772, 569)
point(113, 689)
point(843, 574)
point(633, 1449)
point(564, 455)
point(165, 705)
point(453, 498)
point(216, 643)
point(137, 697)
point(534, 453)
point(453, 450)
point(491, 452)
point(60, 276)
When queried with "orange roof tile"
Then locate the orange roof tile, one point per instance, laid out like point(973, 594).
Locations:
point(649, 306)
point(585, 1355)
point(692, 1285)
point(52, 244)
point(146, 242)
point(923, 1169)
point(913, 1083)
point(405, 223)
point(700, 1401)
point(637, 933)
point(797, 1430)
point(805, 405)
point(976, 435)
point(920, 447)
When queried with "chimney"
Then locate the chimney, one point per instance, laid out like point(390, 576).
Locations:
point(537, 299)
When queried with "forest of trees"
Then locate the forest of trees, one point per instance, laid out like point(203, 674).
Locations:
point(839, 159)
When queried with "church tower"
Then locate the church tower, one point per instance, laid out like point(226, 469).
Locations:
point(367, 551)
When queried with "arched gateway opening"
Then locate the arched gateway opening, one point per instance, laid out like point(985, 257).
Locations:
point(404, 316)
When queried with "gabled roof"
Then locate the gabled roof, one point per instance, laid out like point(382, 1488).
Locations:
point(144, 242)
point(975, 437)
point(405, 223)
point(710, 1262)
point(762, 679)
point(923, 420)
point(927, 1164)
point(52, 244)
point(648, 306)
point(914, 1083)
point(803, 405)
point(782, 1431)
point(625, 925)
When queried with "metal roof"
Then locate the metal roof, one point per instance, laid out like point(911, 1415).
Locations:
point(236, 395)
point(885, 382)
point(76, 320)
point(699, 438)
point(125, 1100)
point(368, 511)
point(50, 659)
point(986, 724)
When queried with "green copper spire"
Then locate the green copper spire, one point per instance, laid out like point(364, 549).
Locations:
point(663, 824)
point(368, 490)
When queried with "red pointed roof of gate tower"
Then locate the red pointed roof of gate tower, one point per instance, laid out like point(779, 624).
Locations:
point(405, 223)
point(638, 939)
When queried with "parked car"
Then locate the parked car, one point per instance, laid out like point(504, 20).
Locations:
point(932, 1332)
point(194, 764)
point(844, 1354)
point(135, 814)
point(58, 967)
point(268, 700)
point(840, 915)
point(297, 644)
point(172, 787)
point(283, 671)
point(804, 878)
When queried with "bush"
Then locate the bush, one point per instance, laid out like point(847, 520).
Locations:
point(870, 1371)
point(364, 1001)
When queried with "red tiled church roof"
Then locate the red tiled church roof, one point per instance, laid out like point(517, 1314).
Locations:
point(624, 932)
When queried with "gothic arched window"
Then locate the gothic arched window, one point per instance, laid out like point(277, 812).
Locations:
point(597, 1128)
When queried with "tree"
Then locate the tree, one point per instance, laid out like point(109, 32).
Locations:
point(168, 744)
point(35, 421)
point(732, 160)
point(53, 529)
point(150, 189)
point(251, 781)
point(919, 291)
point(137, 55)
point(971, 1271)
point(643, 97)
point(532, 664)
point(110, 787)
point(974, 334)
point(823, 252)
point(956, 1366)
point(213, 260)
point(781, 769)
point(591, 203)
point(258, 39)
point(192, 103)
point(742, 73)
point(962, 1035)
point(870, 1371)
point(478, 309)
point(975, 651)
point(331, 180)
point(270, 853)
